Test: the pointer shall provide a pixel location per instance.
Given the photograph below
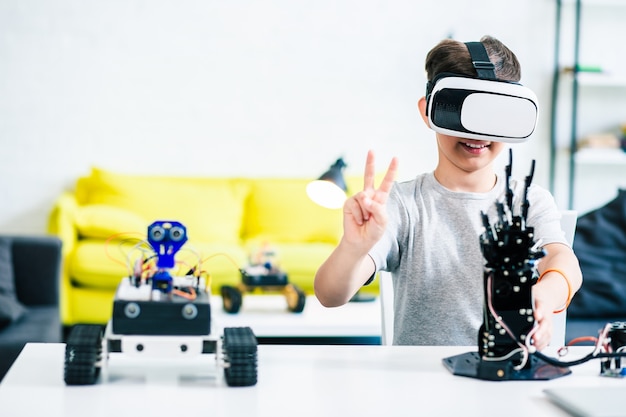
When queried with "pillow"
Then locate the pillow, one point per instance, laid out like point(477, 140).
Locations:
point(600, 245)
point(210, 208)
point(103, 221)
point(10, 308)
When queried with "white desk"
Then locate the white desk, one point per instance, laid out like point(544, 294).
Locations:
point(269, 318)
point(293, 381)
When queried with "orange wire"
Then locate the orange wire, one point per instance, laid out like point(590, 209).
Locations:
point(183, 294)
point(582, 339)
point(108, 241)
point(230, 258)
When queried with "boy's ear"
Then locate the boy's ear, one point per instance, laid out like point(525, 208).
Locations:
point(421, 105)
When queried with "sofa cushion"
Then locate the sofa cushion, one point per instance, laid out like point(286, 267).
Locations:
point(41, 324)
point(296, 257)
point(600, 246)
point(280, 211)
point(10, 310)
point(10, 307)
point(94, 264)
point(104, 221)
point(210, 208)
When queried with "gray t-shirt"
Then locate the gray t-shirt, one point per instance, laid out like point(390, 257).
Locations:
point(432, 248)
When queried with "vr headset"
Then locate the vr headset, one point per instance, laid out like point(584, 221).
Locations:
point(482, 108)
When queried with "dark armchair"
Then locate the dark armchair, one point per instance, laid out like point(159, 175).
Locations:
point(30, 268)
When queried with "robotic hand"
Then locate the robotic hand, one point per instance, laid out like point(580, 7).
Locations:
point(504, 339)
point(511, 255)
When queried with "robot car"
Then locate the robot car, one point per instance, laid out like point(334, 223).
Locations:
point(263, 275)
point(158, 314)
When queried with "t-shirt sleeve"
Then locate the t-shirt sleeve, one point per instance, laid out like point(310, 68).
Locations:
point(545, 217)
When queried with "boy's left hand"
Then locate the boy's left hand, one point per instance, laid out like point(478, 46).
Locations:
point(543, 317)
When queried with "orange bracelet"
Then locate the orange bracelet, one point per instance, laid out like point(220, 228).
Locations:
point(569, 287)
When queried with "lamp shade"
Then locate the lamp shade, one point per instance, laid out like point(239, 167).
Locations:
point(329, 190)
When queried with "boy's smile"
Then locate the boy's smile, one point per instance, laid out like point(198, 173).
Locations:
point(475, 147)
point(466, 164)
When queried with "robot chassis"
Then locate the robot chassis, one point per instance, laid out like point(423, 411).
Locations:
point(267, 280)
point(161, 316)
point(504, 339)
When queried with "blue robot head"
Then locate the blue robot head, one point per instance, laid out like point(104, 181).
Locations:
point(166, 238)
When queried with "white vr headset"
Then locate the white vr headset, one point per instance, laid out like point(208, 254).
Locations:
point(479, 108)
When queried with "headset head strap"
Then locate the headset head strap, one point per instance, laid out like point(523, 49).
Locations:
point(480, 59)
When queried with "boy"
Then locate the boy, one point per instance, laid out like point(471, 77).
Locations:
point(426, 231)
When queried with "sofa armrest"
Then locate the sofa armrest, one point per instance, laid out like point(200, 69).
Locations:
point(62, 221)
point(37, 268)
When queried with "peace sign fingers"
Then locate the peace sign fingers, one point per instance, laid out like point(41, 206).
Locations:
point(380, 194)
point(370, 173)
point(385, 186)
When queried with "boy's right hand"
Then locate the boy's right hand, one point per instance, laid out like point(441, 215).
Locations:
point(365, 214)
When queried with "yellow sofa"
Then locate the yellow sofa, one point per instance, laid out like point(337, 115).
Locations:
point(101, 221)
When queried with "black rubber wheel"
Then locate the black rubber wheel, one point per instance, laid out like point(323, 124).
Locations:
point(240, 356)
point(231, 299)
point(83, 353)
point(296, 298)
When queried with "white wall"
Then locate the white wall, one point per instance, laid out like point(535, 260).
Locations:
point(207, 87)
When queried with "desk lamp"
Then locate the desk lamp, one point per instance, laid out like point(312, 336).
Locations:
point(330, 189)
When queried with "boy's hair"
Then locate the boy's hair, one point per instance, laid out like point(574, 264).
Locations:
point(453, 56)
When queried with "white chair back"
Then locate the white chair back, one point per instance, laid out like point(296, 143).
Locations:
point(559, 320)
point(385, 282)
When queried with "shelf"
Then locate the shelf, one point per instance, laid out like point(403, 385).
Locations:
point(600, 156)
point(595, 3)
point(599, 79)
